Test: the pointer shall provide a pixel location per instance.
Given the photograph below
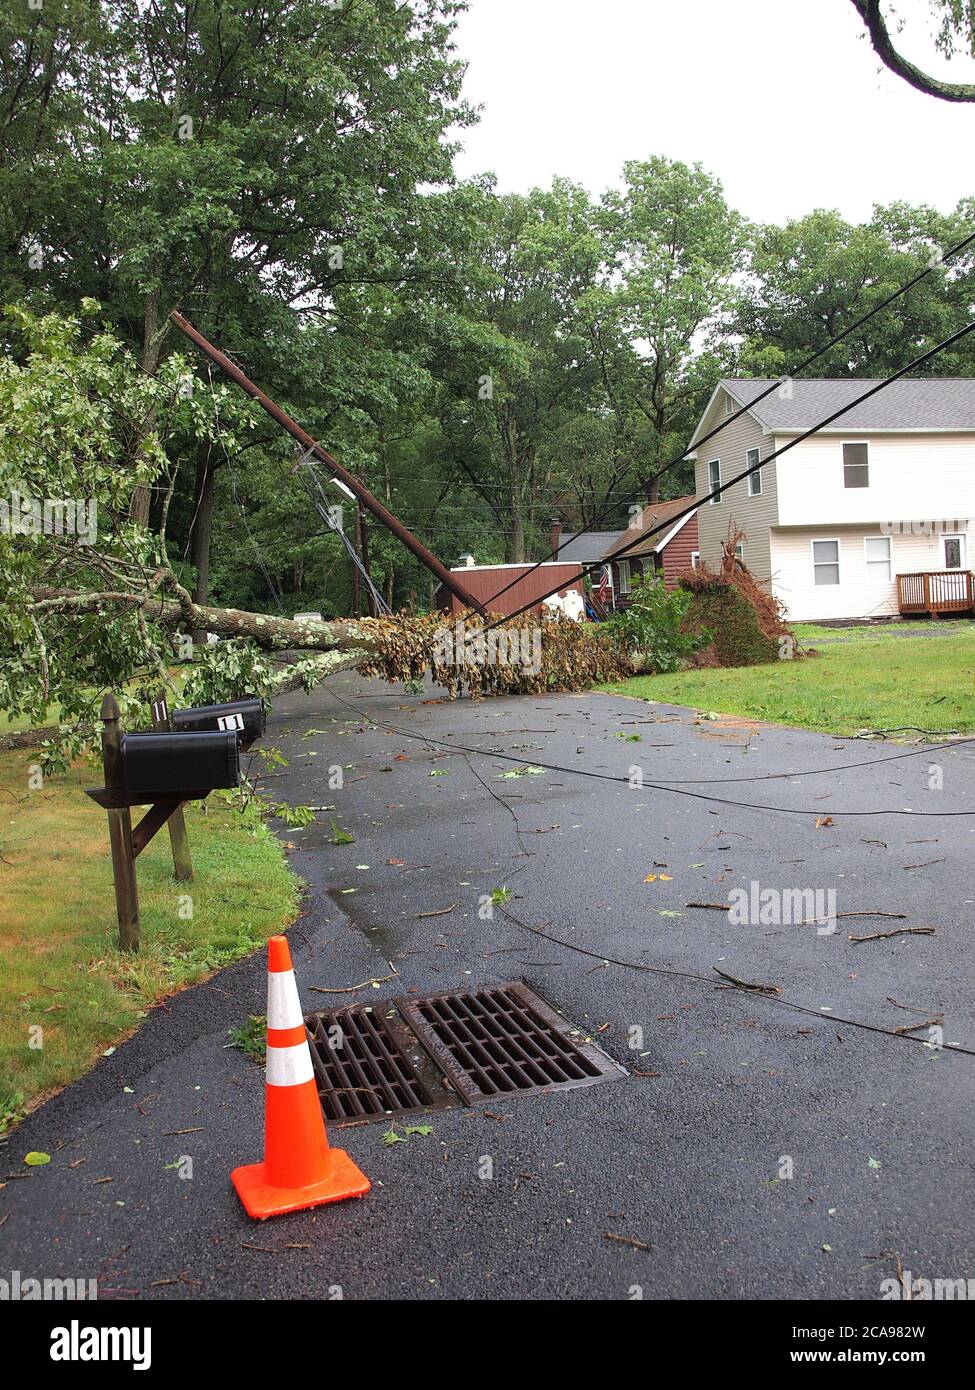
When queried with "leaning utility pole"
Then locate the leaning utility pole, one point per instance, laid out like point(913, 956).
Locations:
point(310, 445)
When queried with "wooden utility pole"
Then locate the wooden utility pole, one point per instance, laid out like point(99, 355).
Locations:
point(357, 488)
point(120, 830)
point(182, 862)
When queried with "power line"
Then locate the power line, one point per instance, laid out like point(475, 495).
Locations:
point(644, 535)
point(663, 786)
point(641, 966)
point(806, 362)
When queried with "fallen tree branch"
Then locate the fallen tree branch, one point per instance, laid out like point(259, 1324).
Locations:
point(898, 931)
point(744, 984)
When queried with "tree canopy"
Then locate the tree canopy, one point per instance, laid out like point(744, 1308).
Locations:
point(282, 171)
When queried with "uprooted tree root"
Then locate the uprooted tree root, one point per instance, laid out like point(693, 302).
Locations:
point(746, 620)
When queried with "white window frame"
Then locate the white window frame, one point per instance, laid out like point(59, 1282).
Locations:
point(866, 445)
point(695, 559)
point(624, 568)
point(740, 551)
point(819, 540)
point(730, 404)
point(869, 565)
point(754, 478)
point(714, 501)
point(962, 540)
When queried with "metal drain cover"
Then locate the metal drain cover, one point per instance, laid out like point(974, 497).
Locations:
point(504, 1040)
point(444, 1050)
point(368, 1064)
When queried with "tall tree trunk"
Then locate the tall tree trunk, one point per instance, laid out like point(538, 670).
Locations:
point(200, 535)
point(515, 548)
point(151, 345)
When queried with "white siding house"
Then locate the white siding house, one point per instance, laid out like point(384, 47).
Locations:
point(887, 489)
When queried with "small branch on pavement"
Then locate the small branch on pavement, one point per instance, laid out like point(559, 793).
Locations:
point(735, 983)
point(898, 931)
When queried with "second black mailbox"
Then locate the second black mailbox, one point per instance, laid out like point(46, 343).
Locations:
point(187, 763)
point(246, 717)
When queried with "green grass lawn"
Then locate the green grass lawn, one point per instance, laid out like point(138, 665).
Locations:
point(59, 962)
point(847, 687)
point(879, 632)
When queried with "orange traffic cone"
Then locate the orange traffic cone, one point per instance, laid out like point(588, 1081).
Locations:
point(299, 1168)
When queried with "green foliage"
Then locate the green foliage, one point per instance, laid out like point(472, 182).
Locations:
point(653, 628)
point(86, 434)
point(250, 1037)
point(224, 670)
point(481, 361)
point(818, 274)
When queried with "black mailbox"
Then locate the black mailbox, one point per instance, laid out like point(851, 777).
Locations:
point(191, 763)
point(244, 717)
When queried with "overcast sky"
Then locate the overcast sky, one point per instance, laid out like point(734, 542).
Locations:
point(781, 99)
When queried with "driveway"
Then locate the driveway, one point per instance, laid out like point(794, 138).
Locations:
point(761, 1146)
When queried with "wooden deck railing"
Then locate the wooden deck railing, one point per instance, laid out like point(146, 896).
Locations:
point(936, 591)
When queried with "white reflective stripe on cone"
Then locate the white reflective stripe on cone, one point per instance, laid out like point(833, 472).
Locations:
point(289, 1066)
point(283, 1008)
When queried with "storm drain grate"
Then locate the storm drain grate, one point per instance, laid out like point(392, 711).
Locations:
point(368, 1064)
point(445, 1050)
point(504, 1040)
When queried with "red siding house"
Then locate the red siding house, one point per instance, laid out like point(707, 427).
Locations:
point(669, 546)
point(484, 582)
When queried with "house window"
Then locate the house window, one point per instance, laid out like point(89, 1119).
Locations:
point(695, 559)
point(856, 469)
point(877, 555)
point(624, 569)
point(740, 552)
point(954, 547)
point(754, 479)
point(729, 405)
point(714, 480)
point(826, 562)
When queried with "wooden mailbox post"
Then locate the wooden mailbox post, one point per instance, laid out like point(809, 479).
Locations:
point(214, 757)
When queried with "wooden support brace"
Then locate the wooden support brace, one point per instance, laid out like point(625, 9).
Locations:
point(154, 819)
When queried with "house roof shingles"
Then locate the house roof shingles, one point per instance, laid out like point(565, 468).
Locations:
point(588, 546)
point(658, 514)
point(913, 403)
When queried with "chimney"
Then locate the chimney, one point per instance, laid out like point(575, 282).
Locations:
point(555, 538)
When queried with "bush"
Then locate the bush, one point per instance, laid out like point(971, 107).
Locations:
point(653, 630)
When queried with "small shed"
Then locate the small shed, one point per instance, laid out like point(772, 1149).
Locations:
point(532, 583)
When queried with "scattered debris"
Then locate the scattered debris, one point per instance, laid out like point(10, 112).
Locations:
point(627, 1240)
point(735, 983)
point(898, 931)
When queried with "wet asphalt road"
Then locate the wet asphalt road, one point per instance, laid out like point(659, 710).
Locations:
point(876, 1130)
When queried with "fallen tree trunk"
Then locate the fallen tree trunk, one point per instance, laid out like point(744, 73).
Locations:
point(273, 634)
